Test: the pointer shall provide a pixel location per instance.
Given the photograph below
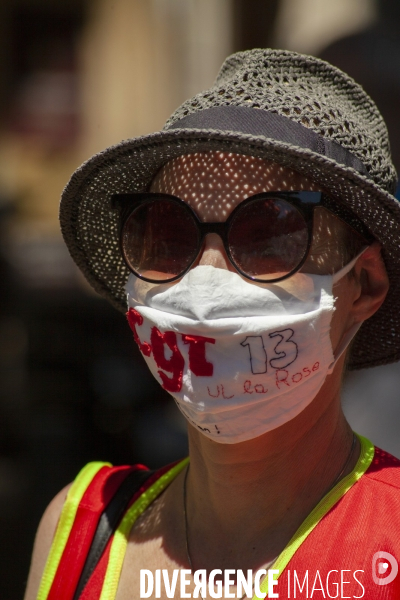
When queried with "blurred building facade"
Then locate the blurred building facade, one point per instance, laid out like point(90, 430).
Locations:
point(77, 76)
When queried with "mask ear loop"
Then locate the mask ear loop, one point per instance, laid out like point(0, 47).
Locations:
point(350, 333)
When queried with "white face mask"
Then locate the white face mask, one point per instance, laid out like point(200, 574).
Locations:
point(239, 359)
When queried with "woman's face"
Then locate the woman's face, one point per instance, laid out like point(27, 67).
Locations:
point(214, 183)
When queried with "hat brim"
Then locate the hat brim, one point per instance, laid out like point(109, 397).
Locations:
point(90, 225)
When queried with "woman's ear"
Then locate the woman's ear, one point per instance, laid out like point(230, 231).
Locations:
point(373, 283)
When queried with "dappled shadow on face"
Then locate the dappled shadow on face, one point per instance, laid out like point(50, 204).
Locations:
point(214, 183)
point(334, 244)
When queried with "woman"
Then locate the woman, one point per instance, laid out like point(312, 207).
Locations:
point(247, 238)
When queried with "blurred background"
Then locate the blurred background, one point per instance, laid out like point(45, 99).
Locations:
point(75, 77)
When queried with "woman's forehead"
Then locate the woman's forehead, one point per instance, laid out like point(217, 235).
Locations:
point(211, 181)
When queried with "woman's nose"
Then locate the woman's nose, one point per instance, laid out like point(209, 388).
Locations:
point(213, 253)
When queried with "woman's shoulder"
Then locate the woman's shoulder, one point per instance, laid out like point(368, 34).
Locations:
point(92, 489)
point(99, 490)
point(43, 541)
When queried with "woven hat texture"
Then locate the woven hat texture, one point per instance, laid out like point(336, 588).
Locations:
point(304, 95)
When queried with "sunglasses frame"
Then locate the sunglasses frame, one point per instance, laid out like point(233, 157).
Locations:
point(304, 201)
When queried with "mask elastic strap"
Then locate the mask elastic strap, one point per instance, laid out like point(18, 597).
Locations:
point(344, 342)
point(349, 335)
point(347, 268)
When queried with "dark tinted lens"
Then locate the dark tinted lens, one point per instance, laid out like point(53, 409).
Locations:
point(268, 238)
point(160, 239)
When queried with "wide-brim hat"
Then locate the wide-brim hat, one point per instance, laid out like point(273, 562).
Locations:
point(296, 110)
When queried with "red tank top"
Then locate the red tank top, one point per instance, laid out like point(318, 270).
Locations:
point(332, 555)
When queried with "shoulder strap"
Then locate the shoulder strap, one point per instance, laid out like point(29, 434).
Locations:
point(97, 506)
point(105, 579)
point(108, 522)
point(94, 503)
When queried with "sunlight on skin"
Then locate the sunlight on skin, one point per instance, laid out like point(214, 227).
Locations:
point(214, 183)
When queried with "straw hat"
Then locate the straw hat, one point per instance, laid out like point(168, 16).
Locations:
point(296, 110)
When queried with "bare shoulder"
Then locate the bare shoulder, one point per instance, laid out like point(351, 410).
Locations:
point(43, 540)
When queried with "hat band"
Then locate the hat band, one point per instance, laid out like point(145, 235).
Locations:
point(260, 122)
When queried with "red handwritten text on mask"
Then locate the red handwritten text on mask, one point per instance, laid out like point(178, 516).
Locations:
point(173, 365)
point(197, 355)
point(161, 342)
point(282, 376)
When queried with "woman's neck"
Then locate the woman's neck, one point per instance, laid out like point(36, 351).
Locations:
point(263, 488)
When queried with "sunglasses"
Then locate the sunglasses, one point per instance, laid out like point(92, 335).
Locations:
point(267, 237)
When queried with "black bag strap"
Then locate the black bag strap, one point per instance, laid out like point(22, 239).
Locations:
point(108, 522)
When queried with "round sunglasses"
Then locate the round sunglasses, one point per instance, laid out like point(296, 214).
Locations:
point(267, 237)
